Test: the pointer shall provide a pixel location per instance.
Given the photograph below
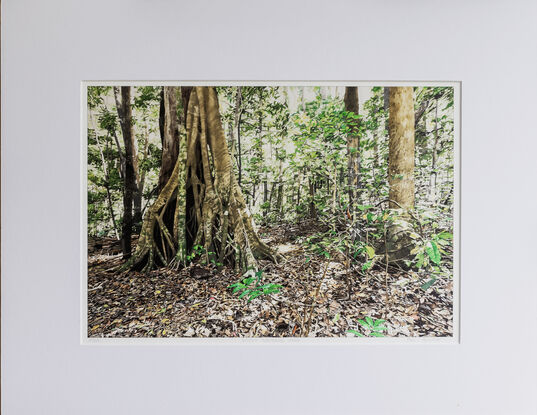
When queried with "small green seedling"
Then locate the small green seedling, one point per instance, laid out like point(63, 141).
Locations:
point(374, 327)
point(258, 289)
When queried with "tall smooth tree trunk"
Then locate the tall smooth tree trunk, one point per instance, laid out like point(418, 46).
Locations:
point(124, 109)
point(353, 146)
point(401, 147)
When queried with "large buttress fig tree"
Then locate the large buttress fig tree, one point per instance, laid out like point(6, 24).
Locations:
point(203, 199)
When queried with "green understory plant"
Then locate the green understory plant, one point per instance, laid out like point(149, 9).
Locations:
point(251, 286)
point(373, 326)
point(428, 255)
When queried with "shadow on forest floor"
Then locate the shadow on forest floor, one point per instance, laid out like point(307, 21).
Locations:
point(197, 302)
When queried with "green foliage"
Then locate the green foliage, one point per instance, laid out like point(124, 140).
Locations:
point(295, 138)
point(430, 250)
point(251, 286)
point(105, 146)
point(373, 328)
point(197, 251)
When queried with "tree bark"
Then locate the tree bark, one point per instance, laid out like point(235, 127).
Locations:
point(138, 210)
point(238, 117)
point(124, 109)
point(435, 156)
point(312, 208)
point(216, 217)
point(401, 147)
point(170, 134)
point(353, 146)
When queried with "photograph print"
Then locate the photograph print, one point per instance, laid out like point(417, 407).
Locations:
point(275, 210)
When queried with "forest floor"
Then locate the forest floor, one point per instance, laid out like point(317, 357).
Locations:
point(319, 297)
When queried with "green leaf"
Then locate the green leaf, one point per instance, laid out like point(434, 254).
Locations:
point(238, 288)
point(367, 265)
point(356, 333)
point(421, 260)
point(369, 321)
point(380, 328)
point(428, 284)
point(254, 294)
point(432, 250)
point(445, 235)
point(375, 334)
point(370, 251)
point(248, 281)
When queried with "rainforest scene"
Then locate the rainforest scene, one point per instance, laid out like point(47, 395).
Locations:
point(274, 211)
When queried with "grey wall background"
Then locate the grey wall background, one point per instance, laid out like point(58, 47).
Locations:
point(49, 47)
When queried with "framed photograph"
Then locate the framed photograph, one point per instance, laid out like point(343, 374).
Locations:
point(284, 207)
point(301, 210)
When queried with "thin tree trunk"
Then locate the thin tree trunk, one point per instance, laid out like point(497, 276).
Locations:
point(279, 201)
point(123, 103)
point(353, 146)
point(312, 209)
point(265, 197)
point(299, 181)
point(107, 184)
point(435, 155)
point(138, 195)
point(138, 198)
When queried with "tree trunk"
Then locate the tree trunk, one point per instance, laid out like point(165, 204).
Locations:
point(170, 134)
point(106, 183)
point(312, 209)
point(124, 110)
point(435, 157)
point(216, 217)
point(398, 235)
point(299, 185)
point(138, 196)
point(401, 147)
point(279, 201)
point(265, 208)
point(238, 118)
point(353, 146)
